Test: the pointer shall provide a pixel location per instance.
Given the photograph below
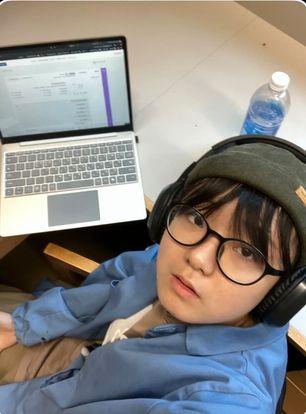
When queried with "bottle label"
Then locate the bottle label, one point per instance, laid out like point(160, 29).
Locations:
point(301, 193)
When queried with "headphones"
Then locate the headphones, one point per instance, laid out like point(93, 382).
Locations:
point(288, 296)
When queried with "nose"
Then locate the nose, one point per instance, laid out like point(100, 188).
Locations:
point(203, 257)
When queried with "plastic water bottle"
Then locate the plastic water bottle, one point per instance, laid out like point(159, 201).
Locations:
point(268, 106)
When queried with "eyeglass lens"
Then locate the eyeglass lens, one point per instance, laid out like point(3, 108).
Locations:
point(238, 260)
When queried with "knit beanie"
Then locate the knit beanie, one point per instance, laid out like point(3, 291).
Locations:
point(274, 171)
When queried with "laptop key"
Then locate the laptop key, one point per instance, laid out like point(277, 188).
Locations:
point(11, 160)
point(14, 183)
point(121, 179)
point(129, 154)
point(18, 190)
point(52, 187)
point(67, 185)
point(13, 175)
point(128, 162)
point(36, 188)
point(127, 170)
point(105, 180)
point(30, 181)
point(28, 189)
point(44, 188)
point(10, 167)
point(112, 180)
point(131, 177)
point(9, 192)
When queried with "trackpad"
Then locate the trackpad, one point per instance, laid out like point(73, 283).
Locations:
point(73, 208)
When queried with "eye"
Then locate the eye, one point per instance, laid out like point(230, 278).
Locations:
point(247, 253)
point(195, 219)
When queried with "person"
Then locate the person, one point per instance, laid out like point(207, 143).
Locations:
point(177, 322)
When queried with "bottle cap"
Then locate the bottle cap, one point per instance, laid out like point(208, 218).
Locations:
point(279, 81)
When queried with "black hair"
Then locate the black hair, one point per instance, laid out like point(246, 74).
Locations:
point(253, 215)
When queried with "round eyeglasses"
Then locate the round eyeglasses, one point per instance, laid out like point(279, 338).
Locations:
point(238, 260)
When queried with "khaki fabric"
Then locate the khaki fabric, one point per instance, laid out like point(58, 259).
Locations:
point(21, 363)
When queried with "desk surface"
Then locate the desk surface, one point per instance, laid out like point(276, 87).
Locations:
point(193, 66)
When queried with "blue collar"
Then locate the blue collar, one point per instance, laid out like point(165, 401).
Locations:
point(220, 339)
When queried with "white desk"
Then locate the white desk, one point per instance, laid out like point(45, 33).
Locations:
point(193, 69)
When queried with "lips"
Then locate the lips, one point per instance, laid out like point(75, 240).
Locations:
point(186, 283)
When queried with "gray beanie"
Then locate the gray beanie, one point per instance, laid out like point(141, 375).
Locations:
point(274, 171)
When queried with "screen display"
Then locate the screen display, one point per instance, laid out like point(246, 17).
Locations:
point(63, 87)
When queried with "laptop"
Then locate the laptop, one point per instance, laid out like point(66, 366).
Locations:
point(68, 156)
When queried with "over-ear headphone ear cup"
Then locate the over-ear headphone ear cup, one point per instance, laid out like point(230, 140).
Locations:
point(157, 219)
point(284, 300)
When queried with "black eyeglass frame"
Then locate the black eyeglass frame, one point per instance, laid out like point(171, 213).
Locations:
point(269, 270)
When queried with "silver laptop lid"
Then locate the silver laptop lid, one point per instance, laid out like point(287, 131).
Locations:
point(63, 89)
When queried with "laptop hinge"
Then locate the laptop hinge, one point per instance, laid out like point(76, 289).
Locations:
point(78, 138)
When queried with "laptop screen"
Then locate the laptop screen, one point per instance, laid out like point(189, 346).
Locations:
point(64, 89)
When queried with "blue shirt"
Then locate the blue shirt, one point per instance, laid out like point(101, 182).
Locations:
point(175, 368)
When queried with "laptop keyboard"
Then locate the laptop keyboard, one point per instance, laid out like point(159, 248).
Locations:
point(69, 168)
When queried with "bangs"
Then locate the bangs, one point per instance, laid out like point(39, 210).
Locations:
point(257, 219)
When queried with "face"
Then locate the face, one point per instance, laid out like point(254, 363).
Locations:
point(193, 289)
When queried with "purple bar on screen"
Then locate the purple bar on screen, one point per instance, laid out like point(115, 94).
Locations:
point(106, 97)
